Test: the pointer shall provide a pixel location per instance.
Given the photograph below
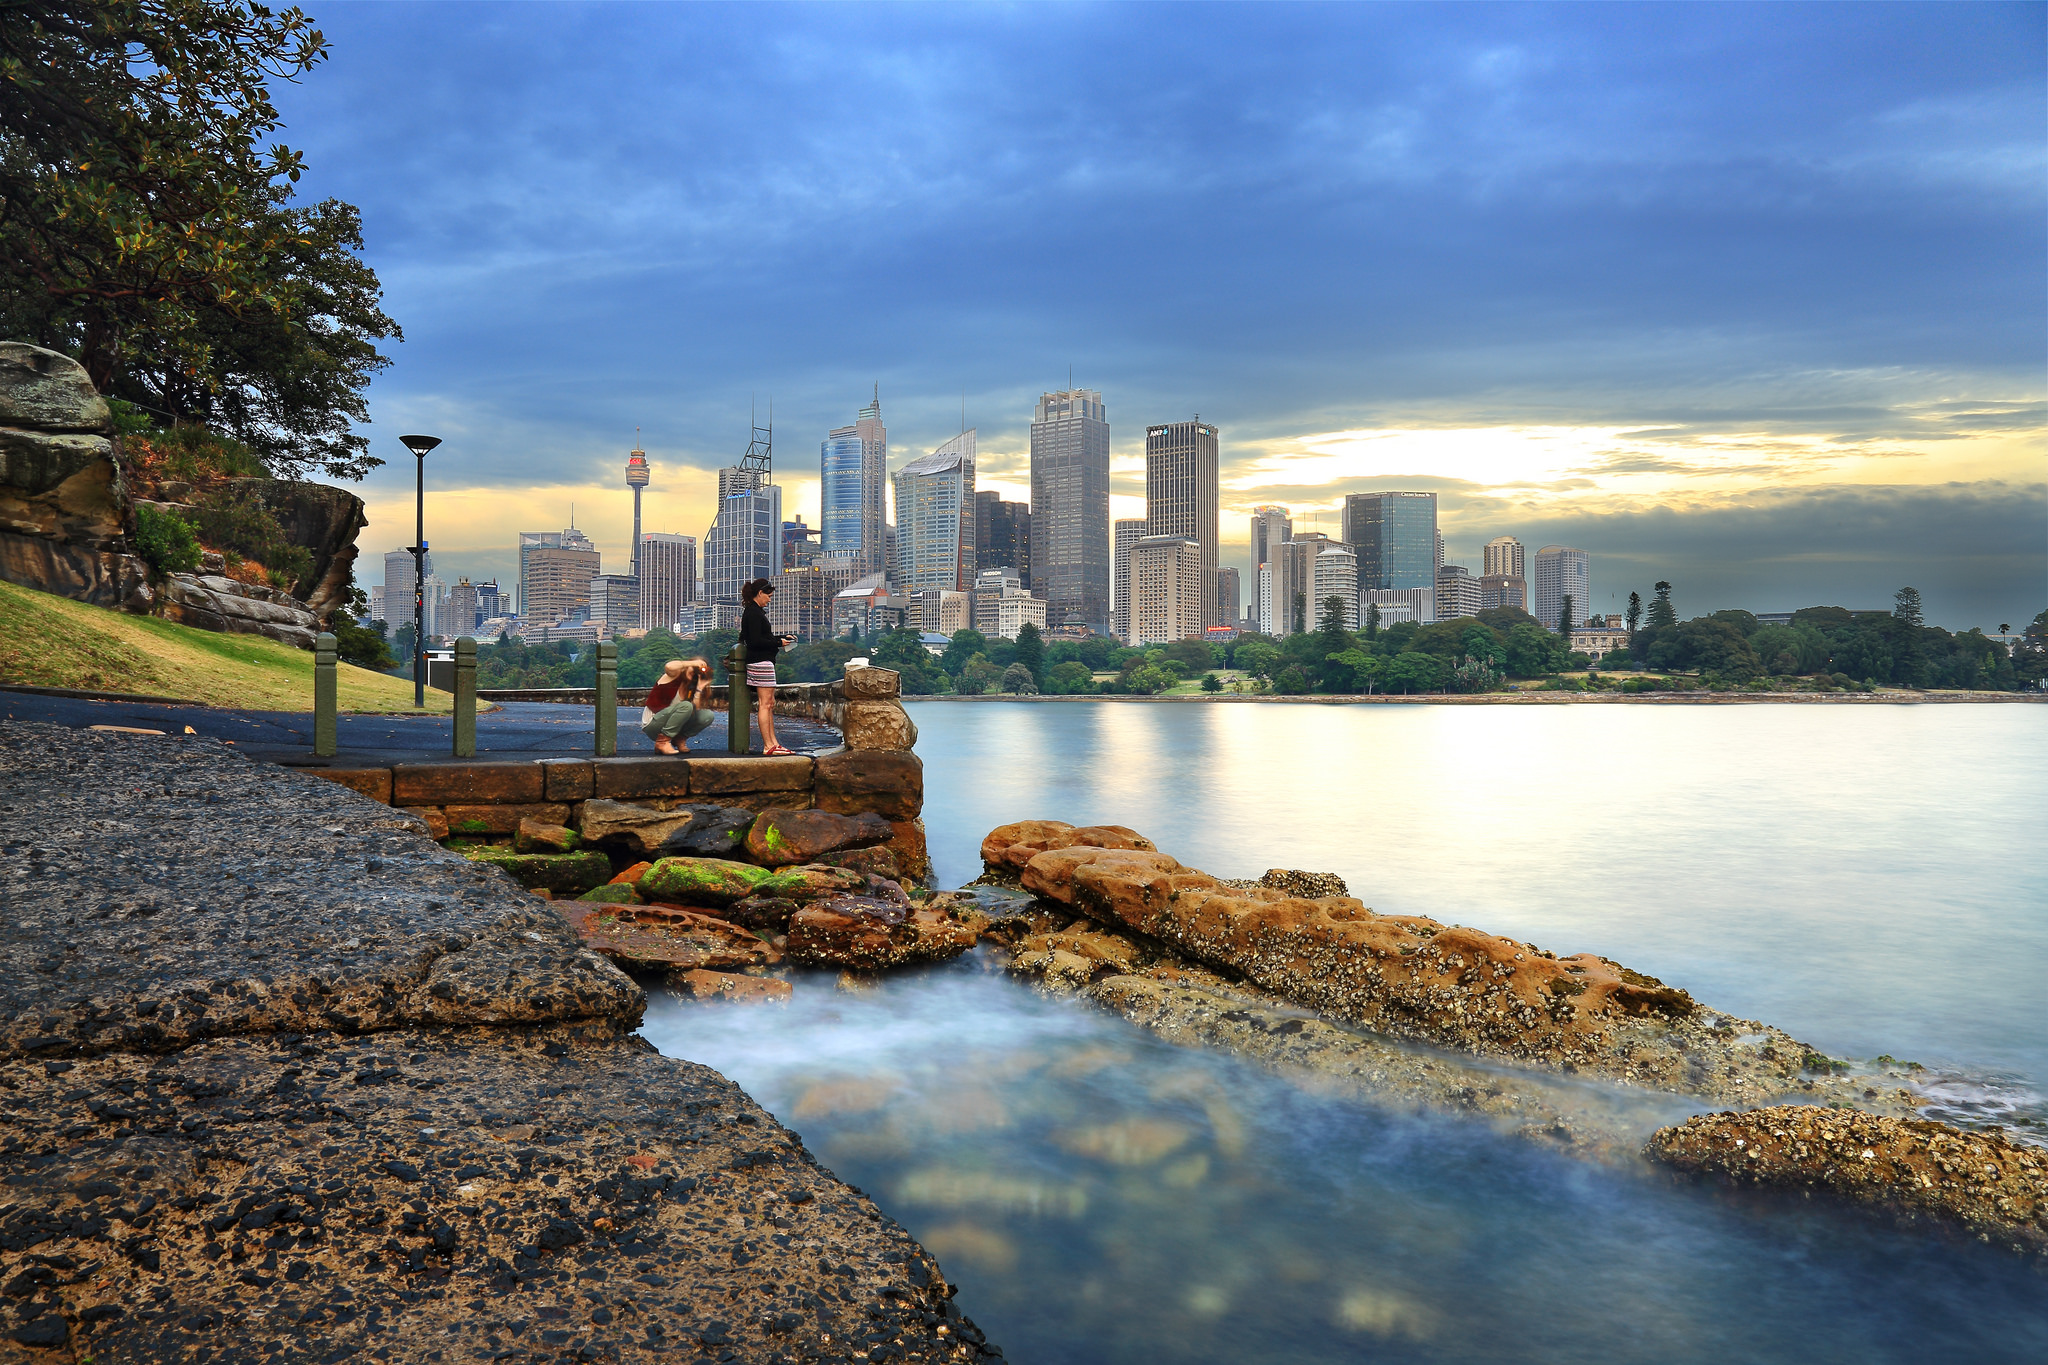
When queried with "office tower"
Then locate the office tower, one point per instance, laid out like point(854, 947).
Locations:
point(1458, 593)
point(1502, 557)
point(745, 540)
point(434, 608)
point(1336, 575)
point(938, 611)
point(1070, 507)
point(573, 539)
point(1270, 526)
point(668, 578)
point(1016, 610)
point(1181, 497)
point(1503, 590)
point(533, 540)
point(1397, 604)
point(1291, 591)
point(1394, 535)
point(615, 602)
point(1262, 600)
point(461, 614)
point(935, 519)
point(853, 467)
point(1002, 535)
point(798, 549)
point(556, 582)
point(1167, 590)
point(1226, 597)
point(636, 479)
point(802, 604)
point(1127, 535)
point(377, 611)
point(490, 601)
point(1562, 572)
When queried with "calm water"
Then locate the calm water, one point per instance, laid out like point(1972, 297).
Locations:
point(1873, 880)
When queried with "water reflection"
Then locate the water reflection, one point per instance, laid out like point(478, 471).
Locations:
point(1102, 1196)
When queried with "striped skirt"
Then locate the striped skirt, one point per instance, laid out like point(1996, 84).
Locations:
point(761, 674)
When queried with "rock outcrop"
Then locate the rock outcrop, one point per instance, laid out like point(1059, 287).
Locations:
point(230, 606)
point(867, 933)
point(1912, 1170)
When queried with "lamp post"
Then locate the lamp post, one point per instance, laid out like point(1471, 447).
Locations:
point(419, 446)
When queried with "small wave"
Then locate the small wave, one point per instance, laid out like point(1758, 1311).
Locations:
point(1986, 1101)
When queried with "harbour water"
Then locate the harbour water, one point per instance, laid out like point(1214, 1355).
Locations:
point(1870, 879)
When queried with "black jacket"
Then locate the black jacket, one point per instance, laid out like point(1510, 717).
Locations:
point(762, 643)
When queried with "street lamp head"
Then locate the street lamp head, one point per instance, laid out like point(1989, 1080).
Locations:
point(419, 445)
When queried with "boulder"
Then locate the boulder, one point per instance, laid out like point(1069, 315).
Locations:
point(663, 936)
point(771, 913)
point(1009, 847)
point(730, 987)
point(713, 832)
point(877, 862)
point(781, 838)
point(621, 824)
point(632, 875)
point(878, 725)
point(866, 933)
point(574, 872)
point(815, 883)
point(1309, 885)
point(326, 521)
point(889, 783)
point(702, 881)
point(870, 683)
point(227, 605)
point(611, 893)
point(63, 503)
point(47, 391)
point(539, 836)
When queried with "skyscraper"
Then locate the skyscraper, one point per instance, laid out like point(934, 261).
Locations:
point(1270, 526)
point(1395, 537)
point(636, 479)
point(1503, 590)
point(1180, 494)
point(935, 519)
point(1561, 572)
point(1336, 576)
point(1127, 535)
point(1002, 534)
point(555, 582)
point(668, 578)
point(1502, 555)
point(1226, 597)
point(1458, 593)
point(615, 602)
point(853, 468)
point(1070, 507)
point(745, 541)
point(1168, 588)
point(1292, 590)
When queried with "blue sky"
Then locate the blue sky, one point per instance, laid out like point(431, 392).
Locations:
point(1753, 298)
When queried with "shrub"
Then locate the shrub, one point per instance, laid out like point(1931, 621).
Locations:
point(1018, 682)
point(233, 520)
point(166, 542)
point(1211, 683)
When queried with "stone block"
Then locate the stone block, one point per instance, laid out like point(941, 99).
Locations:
point(732, 987)
point(635, 827)
point(877, 725)
point(872, 683)
point(889, 783)
point(701, 881)
point(436, 818)
point(567, 779)
point(544, 836)
point(656, 776)
point(374, 783)
point(709, 776)
point(467, 784)
point(566, 872)
point(781, 838)
point(913, 858)
point(501, 819)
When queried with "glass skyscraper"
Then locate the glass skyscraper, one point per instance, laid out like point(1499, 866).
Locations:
point(1394, 537)
point(853, 467)
point(1070, 507)
point(935, 519)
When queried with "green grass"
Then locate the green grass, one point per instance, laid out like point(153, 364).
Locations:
point(48, 641)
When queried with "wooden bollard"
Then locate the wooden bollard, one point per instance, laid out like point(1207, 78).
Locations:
point(607, 699)
point(739, 731)
point(465, 697)
point(326, 697)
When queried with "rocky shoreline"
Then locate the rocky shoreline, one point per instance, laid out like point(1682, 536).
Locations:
point(284, 1080)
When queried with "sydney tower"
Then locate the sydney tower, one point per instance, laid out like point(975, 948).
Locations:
point(636, 479)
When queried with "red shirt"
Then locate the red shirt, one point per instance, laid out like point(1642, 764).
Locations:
point(663, 694)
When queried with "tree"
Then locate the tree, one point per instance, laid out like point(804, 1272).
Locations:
point(1414, 671)
point(1292, 682)
point(1363, 669)
point(1194, 656)
point(1633, 616)
point(1069, 679)
point(1564, 617)
point(1532, 651)
point(1301, 613)
point(978, 675)
point(1018, 682)
point(1211, 683)
point(1906, 607)
point(1258, 658)
point(1662, 613)
point(964, 645)
point(1031, 653)
point(1372, 620)
point(1147, 679)
point(143, 231)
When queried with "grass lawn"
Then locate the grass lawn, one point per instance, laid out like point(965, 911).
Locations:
point(48, 641)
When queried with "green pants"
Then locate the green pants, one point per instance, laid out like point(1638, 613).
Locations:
point(678, 721)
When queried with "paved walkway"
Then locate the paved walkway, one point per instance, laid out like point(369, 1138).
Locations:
point(520, 729)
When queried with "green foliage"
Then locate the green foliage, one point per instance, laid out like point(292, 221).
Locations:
point(904, 651)
point(1360, 670)
point(1662, 613)
point(1293, 681)
point(978, 675)
point(1565, 617)
point(232, 518)
point(1414, 671)
point(1069, 679)
point(520, 664)
point(1031, 653)
point(1017, 679)
point(1532, 652)
point(1906, 607)
point(166, 542)
point(1211, 683)
point(964, 645)
point(1191, 656)
point(1147, 679)
point(360, 644)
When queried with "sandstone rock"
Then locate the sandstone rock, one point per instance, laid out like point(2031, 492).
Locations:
point(1306, 884)
point(502, 819)
point(889, 783)
point(1912, 1169)
point(323, 519)
point(727, 986)
point(1009, 847)
point(48, 391)
point(632, 875)
point(877, 725)
point(576, 872)
point(63, 519)
point(866, 934)
point(611, 893)
point(878, 862)
point(620, 824)
point(873, 683)
point(650, 936)
point(780, 838)
point(763, 912)
point(815, 883)
point(539, 836)
point(207, 602)
point(913, 858)
point(702, 881)
point(713, 832)
point(436, 819)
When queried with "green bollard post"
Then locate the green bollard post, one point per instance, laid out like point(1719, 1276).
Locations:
point(465, 698)
point(607, 699)
point(739, 730)
point(326, 697)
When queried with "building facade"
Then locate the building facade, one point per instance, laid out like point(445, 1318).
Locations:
point(1599, 640)
point(1397, 604)
point(1124, 543)
point(1457, 593)
point(668, 578)
point(1181, 495)
point(935, 539)
point(1336, 576)
point(937, 611)
point(1226, 598)
point(1169, 587)
point(1016, 610)
point(745, 540)
point(1070, 548)
point(1395, 538)
point(1290, 592)
point(1503, 590)
point(461, 614)
point(555, 583)
point(853, 468)
point(802, 604)
point(615, 603)
point(1270, 526)
point(1502, 556)
point(699, 617)
point(1002, 535)
point(1563, 571)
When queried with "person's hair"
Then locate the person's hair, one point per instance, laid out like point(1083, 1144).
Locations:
point(755, 587)
point(695, 672)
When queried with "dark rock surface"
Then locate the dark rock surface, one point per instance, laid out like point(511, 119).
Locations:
point(780, 838)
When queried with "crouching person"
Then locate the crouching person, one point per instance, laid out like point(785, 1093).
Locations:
point(679, 705)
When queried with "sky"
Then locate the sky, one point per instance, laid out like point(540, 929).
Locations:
point(1749, 298)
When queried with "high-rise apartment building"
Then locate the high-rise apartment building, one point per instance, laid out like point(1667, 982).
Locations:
point(1291, 590)
point(802, 604)
point(1070, 507)
point(490, 601)
point(853, 468)
point(798, 549)
point(668, 578)
point(1395, 538)
point(1124, 544)
point(398, 585)
point(1561, 572)
point(935, 546)
point(1270, 526)
point(1262, 599)
point(1226, 597)
point(1458, 593)
point(460, 615)
point(532, 540)
point(615, 602)
point(1503, 590)
point(1502, 557)
point(1002, 535)
point(1181, 495)
point(1336, 579)
point(555, 582)
point(1169, 586)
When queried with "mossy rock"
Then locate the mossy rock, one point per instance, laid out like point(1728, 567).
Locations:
point(702, 881)
point(612, 893)
point(546, 871)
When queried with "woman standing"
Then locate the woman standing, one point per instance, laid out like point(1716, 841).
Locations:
point(762, 644)
point(679, 705)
